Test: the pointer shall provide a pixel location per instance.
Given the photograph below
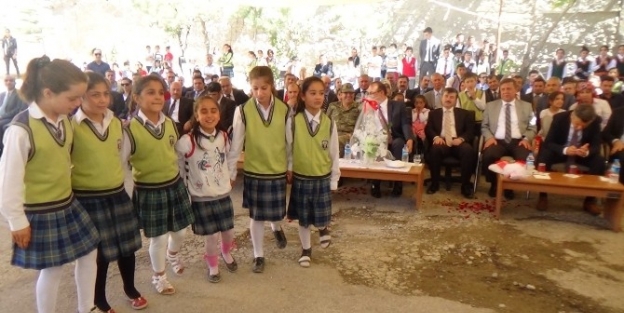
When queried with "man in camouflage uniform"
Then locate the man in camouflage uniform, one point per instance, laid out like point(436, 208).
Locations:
point(345, 114)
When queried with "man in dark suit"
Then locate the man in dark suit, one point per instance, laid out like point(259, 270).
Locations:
point(10, 105)
point(199, 88)
point(395, 116)
point(574, 138)
point(508, 128)
point(423, 86)
point(616, 100)
point(179, 109)
point(450, 132)
point(429, 53)
point(537, 92)
point(288, 79)
point(238, 96)
point(330, 95)
point(118, 104)
point(613, 134)
point(492, 93)
point(403, 88)
point(363, 83)
point(227, 107)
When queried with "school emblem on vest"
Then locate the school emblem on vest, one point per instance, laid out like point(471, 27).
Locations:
point(324, 144)
point(171, 140)
point(119, 144)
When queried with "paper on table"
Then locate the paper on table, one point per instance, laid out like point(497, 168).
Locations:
point(536, 176)
point(571, 176)
point(377, 165)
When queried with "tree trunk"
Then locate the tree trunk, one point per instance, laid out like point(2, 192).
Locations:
point(534, 46)
point(182, 36)
point(204, 29)
point(499, 32)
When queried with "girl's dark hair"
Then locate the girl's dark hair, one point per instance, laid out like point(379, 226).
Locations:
point(265, 73)
point(307, 83)
point(58, 76)
point(252, 54)
point(96, 79)
point(421, 97)
point(553, 95)
point(141, 83)
point(229, 48)
point(196, 128)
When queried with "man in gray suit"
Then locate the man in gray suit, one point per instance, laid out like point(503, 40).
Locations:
point(10, 105)
point(508, 128)
point(434, 97)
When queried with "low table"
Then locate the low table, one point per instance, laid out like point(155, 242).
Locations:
point(585, 185)
point(379, 171)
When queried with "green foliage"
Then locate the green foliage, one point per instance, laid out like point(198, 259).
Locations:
point(558, 4)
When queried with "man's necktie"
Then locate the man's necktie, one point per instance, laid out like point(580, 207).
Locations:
point(448, 128)
point(507, 122)
point(574, 141)
point(445, 66)
point(172, 107)
point(229, 96)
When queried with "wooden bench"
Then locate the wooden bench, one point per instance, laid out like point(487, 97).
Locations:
point(585, 185)
point(380, 172)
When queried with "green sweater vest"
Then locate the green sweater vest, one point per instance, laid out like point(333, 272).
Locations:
point(311, 150)
point(469, 105)
point(153, 157)
point(96, 158)
point(265, 141)
point(47, 179)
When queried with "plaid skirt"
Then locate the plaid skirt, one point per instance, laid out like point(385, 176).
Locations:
point(57, 238)
point(310, 202)
point(265, 198)
point(117, 222)
point(163, 210)
point(213, 216)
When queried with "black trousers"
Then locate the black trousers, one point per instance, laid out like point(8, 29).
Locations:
point(426, 68)
point(495, 152)
point(464, 152)
point(7, 61)
point(126, 269)
point(396, 147)
point(595, 163)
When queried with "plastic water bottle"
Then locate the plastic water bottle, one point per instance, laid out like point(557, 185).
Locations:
point(530, 164)
point(347, 152)
point(405, 154)
point(614, 172)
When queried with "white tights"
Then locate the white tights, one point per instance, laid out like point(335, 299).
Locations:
point(50, 279)
point(159, 245)
point(256, 230)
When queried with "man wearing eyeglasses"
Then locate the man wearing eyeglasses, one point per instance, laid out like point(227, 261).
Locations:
point(10, 105)
point(98, 66)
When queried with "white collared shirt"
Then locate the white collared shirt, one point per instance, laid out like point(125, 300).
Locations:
point(238, 136)
point(146, 121)
point(452, 115)
point(100, 127)
point(500, 128)
point(13, 169)
point(175, 103)
point(384, 109)
point(334, 153)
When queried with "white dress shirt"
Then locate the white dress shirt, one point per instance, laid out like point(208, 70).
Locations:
point(238, 137)
point(210, 70)
point(500, 128)
point(603, 109)
point(175, 104)
point(448, 63)
point(13, 168)
point(374, 69)
point(452, 115)
point(334, 153)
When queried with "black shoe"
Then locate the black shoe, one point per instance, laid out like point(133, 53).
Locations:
point(258, 265)
point(433, 188)
point(304, 260)
point(509, 194)
point(214, 278)
point(397, 190)
point(467, 191)
point(340, 182)
point(231, 267)
point(492, 191)
point(375, 191)
point(280, 238)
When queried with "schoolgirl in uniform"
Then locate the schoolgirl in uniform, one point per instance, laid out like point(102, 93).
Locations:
point(315, 167)
point(260, 125)
point(48, 225)
point(98, 182)
point(160, 196)
point(202, 154)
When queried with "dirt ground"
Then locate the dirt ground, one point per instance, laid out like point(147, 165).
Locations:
point(451, 256)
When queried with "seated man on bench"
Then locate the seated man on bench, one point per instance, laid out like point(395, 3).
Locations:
point(574, 138)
